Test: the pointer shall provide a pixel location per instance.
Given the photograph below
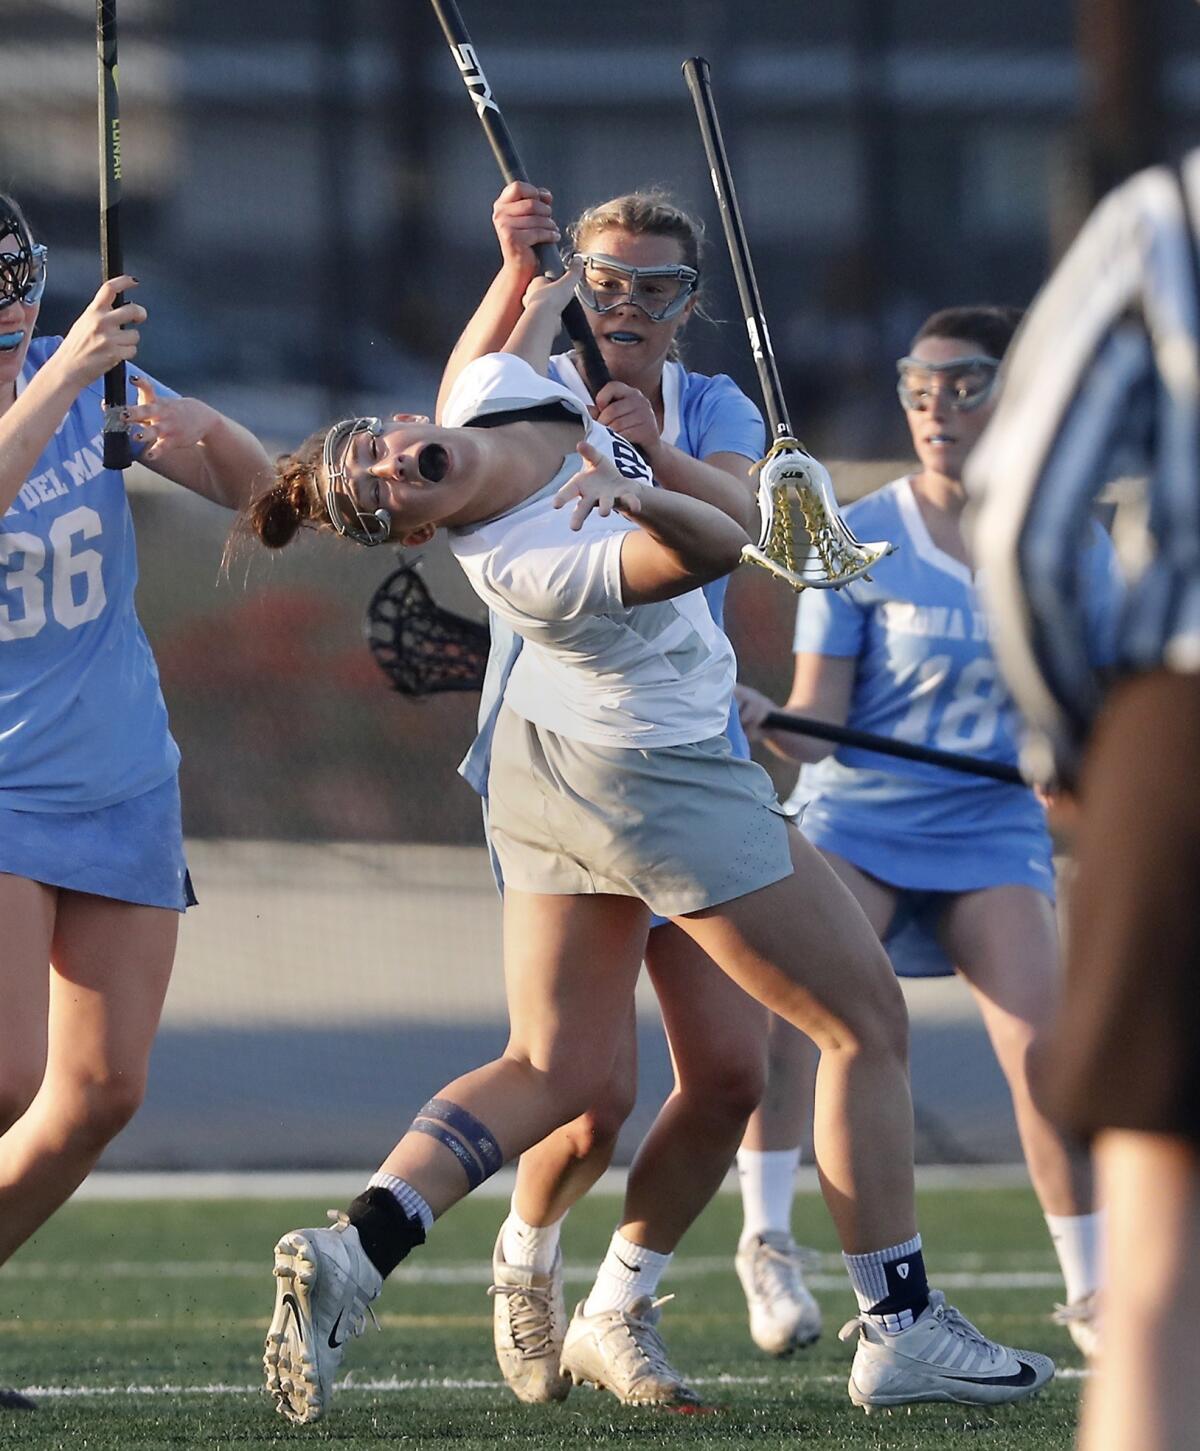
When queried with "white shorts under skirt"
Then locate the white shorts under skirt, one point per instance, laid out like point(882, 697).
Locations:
point(680, 827)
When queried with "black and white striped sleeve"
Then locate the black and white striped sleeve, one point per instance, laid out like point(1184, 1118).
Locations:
point(1092, 392)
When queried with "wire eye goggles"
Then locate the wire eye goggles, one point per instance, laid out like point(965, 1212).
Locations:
point(23, 271)
point(964, 383)
point(660, 292)
point(341, 502)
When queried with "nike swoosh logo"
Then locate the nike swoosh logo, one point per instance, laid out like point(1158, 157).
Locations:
point(1025, 1376)
point(334, 1343)
point(292, 1304)
point(633, 1269)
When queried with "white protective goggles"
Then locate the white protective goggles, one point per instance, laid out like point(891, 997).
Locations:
point(965, 383)
point(341, 502)
point(660, 292)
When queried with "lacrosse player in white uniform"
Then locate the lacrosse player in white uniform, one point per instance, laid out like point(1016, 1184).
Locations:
point(701, 434)
point(613, 793)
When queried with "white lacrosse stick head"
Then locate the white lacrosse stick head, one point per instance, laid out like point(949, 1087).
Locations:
point(803, 538)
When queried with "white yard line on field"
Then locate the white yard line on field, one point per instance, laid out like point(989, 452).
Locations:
point(341, 1185)
point(394, 1385)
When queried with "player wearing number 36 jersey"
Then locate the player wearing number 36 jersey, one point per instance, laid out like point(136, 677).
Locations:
point(92, 873)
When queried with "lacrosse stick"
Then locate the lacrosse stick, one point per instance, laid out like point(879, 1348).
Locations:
point(117, 451)
point(803, 539)
point(422, 648)
point(780, 720)
point(587, 350)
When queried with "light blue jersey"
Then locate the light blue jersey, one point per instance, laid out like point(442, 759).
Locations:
point(82, 719)
point(701, 416)
point(926, 675)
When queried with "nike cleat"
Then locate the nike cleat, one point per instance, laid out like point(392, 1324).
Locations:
point(783, 1314)
point(529, 1322)
point(621, 1351)
point(324, 1286)
point(940, 1357)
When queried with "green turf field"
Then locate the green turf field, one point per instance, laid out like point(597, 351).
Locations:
point(143, 1325)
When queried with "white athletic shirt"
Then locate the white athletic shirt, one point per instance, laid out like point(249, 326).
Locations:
point(593, 669)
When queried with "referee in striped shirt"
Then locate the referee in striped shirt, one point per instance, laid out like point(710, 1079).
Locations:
point(1104, 383)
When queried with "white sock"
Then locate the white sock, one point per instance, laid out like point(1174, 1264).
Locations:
point(529, 1246)
point(405, 1196)
point(628, 1273)
point(768, 1183)
point(1078, 1241)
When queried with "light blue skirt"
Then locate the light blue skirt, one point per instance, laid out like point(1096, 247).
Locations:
point(132, 851)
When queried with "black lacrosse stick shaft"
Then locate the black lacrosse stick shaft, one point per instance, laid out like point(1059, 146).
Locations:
point(117, 452)
point(779, 720)
point(697, 73)
point(587, 351)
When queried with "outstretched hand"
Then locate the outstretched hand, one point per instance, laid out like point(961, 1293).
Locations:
point(160, 425)
point(599, 486)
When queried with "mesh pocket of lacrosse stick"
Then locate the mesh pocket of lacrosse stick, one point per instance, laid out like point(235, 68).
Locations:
point(422, 648)
point(803, 539)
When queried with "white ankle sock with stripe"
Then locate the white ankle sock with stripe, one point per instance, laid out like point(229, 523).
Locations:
point(629, 1272)
point(405, 1196)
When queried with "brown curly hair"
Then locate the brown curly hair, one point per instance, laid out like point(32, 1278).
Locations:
point(294, 499)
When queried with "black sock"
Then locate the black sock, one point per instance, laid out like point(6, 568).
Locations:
point(388, 1235)
point(907, 1292)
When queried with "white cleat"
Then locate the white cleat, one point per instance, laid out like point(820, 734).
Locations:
point(1082, 1319)
point(940, 1357)
point(529, 1324)
point(621, 1351)
point(324, 1285)
point(783, 1314)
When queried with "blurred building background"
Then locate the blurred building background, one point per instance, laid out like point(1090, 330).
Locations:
point(307, 200)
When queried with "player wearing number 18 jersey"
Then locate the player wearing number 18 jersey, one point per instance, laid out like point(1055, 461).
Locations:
point(955, 872)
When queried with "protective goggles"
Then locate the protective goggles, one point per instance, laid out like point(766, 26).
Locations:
point(964, 383)
point(660, 292)
point(23, 271)
point(341, 502)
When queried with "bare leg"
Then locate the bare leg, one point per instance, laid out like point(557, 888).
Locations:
point(783, 1117)
point(570, 966)
point(27, 910)
point(555, 1174)
point(1005, 943)
point(112, 962)
point(717, 1035)
point(1146, 1391)
point(804, 948)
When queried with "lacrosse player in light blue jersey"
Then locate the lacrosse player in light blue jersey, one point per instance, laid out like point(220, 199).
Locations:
point(92, 873)
point(954, 871)
point(698, 435)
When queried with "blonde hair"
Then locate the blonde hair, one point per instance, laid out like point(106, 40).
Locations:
point(651, 212)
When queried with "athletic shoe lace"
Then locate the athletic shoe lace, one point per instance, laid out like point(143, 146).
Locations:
point(358, 1316)
point(951, 1320)
point(640, 1349)
point(530, 1319)
point(776, 1270)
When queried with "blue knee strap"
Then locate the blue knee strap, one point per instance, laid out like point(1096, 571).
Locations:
point(472, 1143)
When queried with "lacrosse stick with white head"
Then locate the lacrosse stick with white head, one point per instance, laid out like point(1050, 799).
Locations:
point(802, 539)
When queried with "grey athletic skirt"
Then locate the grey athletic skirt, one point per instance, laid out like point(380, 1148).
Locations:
point(681, 827)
